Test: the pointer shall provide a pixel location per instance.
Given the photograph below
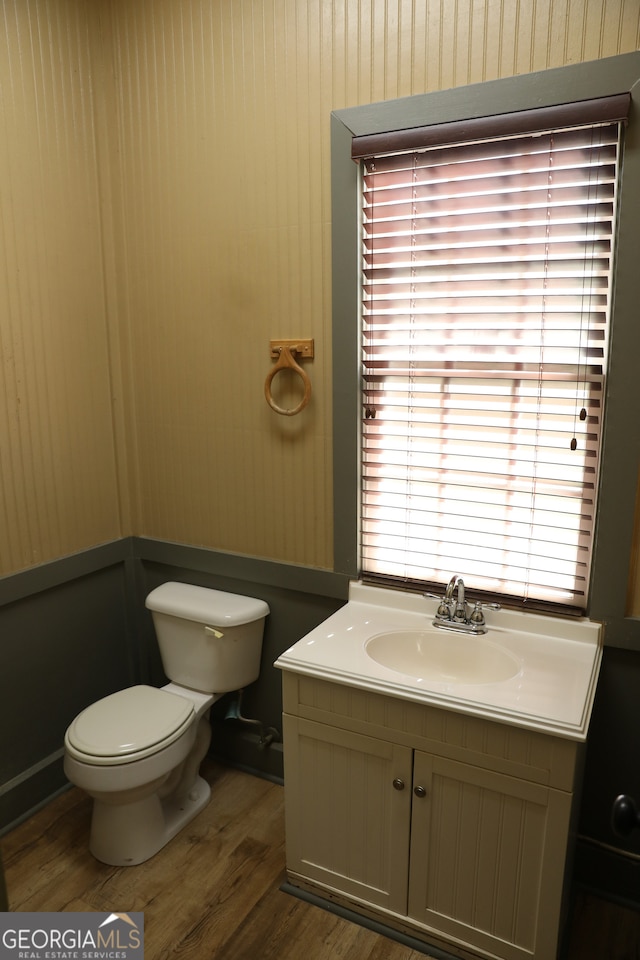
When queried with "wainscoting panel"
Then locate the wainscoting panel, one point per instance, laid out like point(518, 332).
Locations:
point(63, 646)
point(75, 630)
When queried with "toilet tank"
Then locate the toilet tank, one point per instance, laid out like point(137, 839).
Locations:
point(209, 640)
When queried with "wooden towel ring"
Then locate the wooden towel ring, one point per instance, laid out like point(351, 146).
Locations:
point(286, 360)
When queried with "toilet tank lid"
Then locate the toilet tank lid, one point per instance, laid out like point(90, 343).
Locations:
point(213, 607)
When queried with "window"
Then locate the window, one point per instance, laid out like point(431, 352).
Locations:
point(611, 598)
point(486, 281)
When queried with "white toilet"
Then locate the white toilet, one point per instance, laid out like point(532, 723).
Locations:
point(138, 751)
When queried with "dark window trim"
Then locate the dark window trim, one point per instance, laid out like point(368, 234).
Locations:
point(619, 477)
point(600, 110)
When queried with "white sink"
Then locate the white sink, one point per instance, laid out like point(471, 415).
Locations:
point(447, 658)
point(530, 670)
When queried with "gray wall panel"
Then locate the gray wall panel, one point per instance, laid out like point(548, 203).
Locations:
point(61, 648)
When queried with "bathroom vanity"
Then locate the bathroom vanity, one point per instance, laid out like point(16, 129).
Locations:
point(438, 798)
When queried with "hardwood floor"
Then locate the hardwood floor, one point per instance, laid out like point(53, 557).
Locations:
point(214, 891)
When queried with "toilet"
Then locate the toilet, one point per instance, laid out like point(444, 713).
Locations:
point(138, 752)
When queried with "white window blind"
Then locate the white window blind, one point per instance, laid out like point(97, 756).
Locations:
point(486, 288)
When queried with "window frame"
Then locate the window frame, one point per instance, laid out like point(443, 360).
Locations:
point(621, 434)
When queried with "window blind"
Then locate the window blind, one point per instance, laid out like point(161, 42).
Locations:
point(486, 288)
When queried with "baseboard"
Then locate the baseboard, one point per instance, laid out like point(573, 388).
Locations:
point(242, 749)
point(27, 793)
point(418, 946)
point(607, 873)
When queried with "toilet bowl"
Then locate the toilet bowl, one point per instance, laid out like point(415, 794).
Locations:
point(137, 752)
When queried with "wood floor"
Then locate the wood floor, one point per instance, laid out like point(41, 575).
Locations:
point(214, 891)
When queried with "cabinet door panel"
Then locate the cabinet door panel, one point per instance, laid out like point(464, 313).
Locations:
point(487, 856)
point(347, 826)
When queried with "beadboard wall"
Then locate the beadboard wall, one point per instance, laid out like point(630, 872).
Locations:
point(59, 489)
point(165, 207)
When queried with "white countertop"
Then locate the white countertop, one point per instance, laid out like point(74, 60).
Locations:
point(552, 691)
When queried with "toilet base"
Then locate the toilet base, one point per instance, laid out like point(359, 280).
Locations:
point(124, 835)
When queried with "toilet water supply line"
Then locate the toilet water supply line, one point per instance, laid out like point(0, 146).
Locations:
point(234, 712)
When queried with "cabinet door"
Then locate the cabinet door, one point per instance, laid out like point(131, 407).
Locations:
point(487, 858)
point(347, 824)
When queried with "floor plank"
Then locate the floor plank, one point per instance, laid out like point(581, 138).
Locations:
point(601, 930)
point(214, 891)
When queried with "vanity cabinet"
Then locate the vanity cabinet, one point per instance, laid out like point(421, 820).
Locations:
point(452, 828)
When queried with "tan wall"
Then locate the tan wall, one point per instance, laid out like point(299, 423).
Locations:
point(211, 119)
point(58, 490)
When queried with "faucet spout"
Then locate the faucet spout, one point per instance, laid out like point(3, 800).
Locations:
point(448, 594)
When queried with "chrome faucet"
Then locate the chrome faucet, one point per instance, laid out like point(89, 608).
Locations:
point(452, 612)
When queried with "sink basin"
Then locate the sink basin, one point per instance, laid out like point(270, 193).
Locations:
point(449, 658)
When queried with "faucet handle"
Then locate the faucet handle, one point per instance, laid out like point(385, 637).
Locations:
point(477, 616)
point(443, 611)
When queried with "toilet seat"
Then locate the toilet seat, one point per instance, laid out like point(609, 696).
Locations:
point(128, 725)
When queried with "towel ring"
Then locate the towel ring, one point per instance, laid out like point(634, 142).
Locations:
point(286, 361)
